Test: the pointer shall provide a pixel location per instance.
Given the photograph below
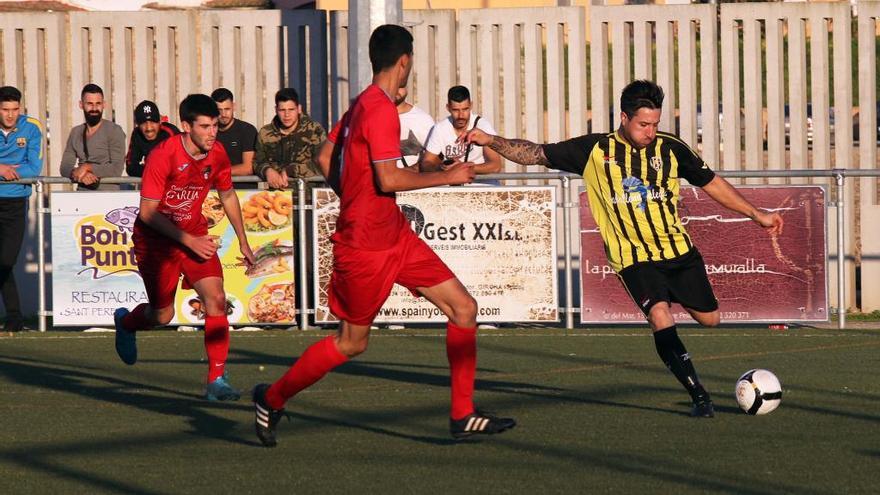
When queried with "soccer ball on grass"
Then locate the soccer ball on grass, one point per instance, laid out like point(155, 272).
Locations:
point(758, 392)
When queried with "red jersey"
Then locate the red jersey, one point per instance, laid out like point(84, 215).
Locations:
point(180, 183)
point(368, 133)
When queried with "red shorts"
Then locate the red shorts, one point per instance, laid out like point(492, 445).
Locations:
point(362, 280)
point(162, 263)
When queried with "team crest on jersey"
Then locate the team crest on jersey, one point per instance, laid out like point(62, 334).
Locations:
point(207, 172)
point(656, 163)
point(183, 166)
point(21, 142)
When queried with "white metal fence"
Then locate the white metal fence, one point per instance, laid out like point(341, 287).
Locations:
point(752, 86)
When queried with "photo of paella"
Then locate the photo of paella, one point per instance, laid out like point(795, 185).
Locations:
point(212, 209)
point(273, 303)
point(267, 211)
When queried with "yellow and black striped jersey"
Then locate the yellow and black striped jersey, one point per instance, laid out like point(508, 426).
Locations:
point(633, 192)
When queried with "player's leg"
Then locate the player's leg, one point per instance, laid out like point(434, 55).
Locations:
point(210, 291)
point(160, 271)
point(649, 288)
point(424, 273)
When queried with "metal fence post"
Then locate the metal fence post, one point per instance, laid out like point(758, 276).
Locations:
point(41, 257)
point(566, 249)
point(303, 272)
point(841, 231)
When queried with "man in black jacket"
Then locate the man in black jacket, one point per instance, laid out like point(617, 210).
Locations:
point(150, 130)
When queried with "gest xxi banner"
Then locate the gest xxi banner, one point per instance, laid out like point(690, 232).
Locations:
point(755, 276)
point(499, 241)
point(94, 270)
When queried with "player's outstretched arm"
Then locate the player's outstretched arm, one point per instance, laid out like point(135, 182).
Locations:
point(726, 195)
point(390, 178)
point(231, 206)
point(203, 246)
point(516, 150)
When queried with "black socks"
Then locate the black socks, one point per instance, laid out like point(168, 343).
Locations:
point(673, 353)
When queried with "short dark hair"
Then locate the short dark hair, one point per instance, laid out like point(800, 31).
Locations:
point(222, 94)
point(388, 43)
point(286, 94)
point(641, 94)
point(197, 105)
point(91, 88)
point(458, 94)
point(9, 93)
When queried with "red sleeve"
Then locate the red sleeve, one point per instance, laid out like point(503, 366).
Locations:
point(383, 133)
point(156, 170)
point(333, 137)
point(223, 177)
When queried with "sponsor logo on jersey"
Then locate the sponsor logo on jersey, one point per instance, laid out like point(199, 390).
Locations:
point(182, 166)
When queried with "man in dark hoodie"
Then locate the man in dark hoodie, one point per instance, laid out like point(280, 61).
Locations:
point(288, 146)
point(149, 131)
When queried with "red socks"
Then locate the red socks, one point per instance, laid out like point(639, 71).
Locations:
point(137, 319)
point(461, 350)
point(312, 365)
point(216, 345)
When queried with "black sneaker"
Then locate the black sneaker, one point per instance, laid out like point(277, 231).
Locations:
point(479, 422)
point(265, 418)
point(13, 325)
point(703, 409)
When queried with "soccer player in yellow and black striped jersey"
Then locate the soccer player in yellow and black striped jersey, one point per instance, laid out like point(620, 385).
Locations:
point(631, 177)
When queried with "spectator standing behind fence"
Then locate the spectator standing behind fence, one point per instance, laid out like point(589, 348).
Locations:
point(288, 146)
point(415, 125)
point(237, 136)
point(149, 131)
point(444, 147)
point(21, 157)
point(96, 148)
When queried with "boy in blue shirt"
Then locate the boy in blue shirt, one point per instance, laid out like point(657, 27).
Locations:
point(21, 156)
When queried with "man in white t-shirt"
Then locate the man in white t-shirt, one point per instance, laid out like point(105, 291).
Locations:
point(415, 125)
point(443, 147)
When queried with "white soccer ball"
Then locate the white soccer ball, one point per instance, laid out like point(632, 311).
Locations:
point(758, 392)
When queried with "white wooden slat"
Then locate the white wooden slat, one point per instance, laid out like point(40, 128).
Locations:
point(752, 97)
point(797, 97)
point(730, 122)
point(687, 73)
point(820, 92)
point(665, 73)
point(555, 82)
point(775, 98)
point(600, 94)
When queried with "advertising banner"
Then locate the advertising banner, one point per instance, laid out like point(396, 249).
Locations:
point(499, 241)
point(94, 270)
point(756, 277)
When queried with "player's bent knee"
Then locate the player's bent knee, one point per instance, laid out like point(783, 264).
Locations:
point(164, 316)
point(464, 311)
point(710, 319)
point(352, 348)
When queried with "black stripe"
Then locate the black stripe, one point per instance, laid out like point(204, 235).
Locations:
point(772, 396)
point(621, 150)
point(756, 405)
point(637, 168)
point(654, 179)
point(616, 206)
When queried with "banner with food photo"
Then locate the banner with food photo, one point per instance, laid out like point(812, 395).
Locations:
point(263, 292)
point(499, 241)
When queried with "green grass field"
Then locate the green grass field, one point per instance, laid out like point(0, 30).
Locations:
point(597, 413)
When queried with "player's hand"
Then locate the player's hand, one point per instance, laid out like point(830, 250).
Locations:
point(460, 173)
point(276, 179)
point(204, 246)
point(8, 172)
point(247, 256)
point(476, 136)
point(770, 221)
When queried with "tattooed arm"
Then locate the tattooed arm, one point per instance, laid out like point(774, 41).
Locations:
point(516, 150)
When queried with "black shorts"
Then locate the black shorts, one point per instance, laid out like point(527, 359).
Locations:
point(682, 280)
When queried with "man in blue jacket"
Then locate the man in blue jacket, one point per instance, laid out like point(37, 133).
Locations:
point(21, 157)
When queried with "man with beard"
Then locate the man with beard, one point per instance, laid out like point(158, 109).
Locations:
point(171, 238)
point(444, 147)
point(237, 136)
point(149, 131)
point(96, 148)
point(288, 146)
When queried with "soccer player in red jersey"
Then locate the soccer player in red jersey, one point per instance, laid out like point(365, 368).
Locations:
point(374, 248)
point(171, 238)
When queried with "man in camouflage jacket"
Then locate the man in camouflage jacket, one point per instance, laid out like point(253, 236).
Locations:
point(288, 146)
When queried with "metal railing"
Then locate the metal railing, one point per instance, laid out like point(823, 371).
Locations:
point(566, 182)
